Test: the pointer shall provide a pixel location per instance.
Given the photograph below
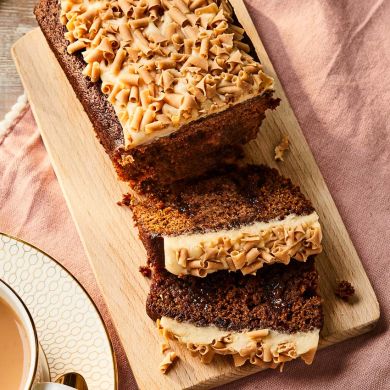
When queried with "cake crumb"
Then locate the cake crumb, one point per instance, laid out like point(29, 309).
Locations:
point(281, 148)
point(167, 362)
point(344, 290)
point(126, 200)
point(145, 271)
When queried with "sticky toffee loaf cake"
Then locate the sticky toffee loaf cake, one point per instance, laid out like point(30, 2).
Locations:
point(172, 87)
point(267, 319)
point(234, 218)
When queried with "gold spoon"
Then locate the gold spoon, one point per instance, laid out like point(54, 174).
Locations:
point(73, 379)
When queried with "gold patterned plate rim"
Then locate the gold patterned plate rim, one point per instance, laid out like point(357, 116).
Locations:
point(83, 290)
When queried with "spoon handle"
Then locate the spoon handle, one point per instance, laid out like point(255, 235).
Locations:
point(72, 379)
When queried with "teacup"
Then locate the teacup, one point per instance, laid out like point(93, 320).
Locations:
point(23, 365)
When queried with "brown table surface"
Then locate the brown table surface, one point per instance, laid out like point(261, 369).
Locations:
point(16, 18)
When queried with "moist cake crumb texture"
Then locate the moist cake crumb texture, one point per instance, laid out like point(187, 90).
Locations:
point(279, 297)
point(221, 199)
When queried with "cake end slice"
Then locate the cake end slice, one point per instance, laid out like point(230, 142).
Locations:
point(265, 319)
point(180, 131)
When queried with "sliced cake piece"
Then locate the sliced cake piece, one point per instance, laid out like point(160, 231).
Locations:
point(171, 87)
point(234, 218)
point(266, 319)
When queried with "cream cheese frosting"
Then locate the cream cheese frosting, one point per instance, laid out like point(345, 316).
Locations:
point(262, 347)
point(163, 63)
point(244, 249)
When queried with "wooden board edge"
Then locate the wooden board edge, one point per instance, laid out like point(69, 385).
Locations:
point(234, 375)
point(246, 371)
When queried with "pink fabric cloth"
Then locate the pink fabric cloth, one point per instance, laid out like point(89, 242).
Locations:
point(333, 59)
point(32, 208)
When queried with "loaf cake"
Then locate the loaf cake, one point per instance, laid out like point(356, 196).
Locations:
point(234, 218)
point(172, 87)
point(266, 319)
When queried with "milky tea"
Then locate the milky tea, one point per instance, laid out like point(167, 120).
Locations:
point(14, 349)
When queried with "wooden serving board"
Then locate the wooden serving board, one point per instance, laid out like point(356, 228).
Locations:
point(91, 190)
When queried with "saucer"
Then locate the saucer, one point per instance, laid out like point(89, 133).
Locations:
point(70, 329)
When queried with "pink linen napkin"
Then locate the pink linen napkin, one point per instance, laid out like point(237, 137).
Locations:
point(33, 208)
point(333, 59)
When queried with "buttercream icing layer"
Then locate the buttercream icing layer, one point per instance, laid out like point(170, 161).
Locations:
point(245, 249)
point(261, 347)
point(163, 63)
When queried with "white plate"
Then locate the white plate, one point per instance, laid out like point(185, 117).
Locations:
point(69, 326)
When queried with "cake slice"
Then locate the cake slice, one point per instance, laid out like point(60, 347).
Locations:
point(266, 319)
point(234, 218)
point(171, 87)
